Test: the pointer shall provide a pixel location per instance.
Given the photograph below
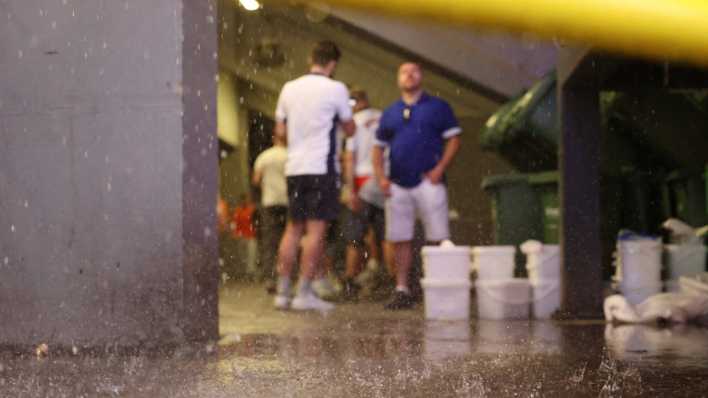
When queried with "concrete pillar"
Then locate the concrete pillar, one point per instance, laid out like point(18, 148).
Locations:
point(108, 172)
point(579, 159)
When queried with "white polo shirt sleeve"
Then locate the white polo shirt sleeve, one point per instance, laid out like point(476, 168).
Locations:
point(281, 111)
point(344, 111)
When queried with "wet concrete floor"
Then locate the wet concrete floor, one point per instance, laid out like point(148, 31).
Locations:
point(360, 350)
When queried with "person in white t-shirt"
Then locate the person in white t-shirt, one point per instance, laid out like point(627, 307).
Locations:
point(366, 200)
point(310, 109)
point(269, 176)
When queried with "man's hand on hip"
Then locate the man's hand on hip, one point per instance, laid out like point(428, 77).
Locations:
point(385, 185)
point(435, 175)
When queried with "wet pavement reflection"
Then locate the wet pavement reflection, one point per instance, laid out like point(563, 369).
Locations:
point(359, 350)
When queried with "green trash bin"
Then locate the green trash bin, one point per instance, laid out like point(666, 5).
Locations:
point(686, 197)
point(546, 187)
point(516, 212)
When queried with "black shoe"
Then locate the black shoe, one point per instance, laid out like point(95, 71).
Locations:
point(400, 301)
point(271, 288)
point(350, 290)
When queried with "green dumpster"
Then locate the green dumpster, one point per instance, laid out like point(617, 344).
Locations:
point(525, 130)
point(686, 197)
point(546, 187)
point(516, 212)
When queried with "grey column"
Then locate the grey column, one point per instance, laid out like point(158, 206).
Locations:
point(579, 156)
point(107, 172)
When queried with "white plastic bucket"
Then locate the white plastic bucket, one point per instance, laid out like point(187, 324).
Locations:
point(639, 263)
point(494, 262)
point(694, 285)
point(447, 262)
point(503, 299)
point(542, 261)
point(685, 260)
point(446, 299)
point(546, 298)
point(637, 294)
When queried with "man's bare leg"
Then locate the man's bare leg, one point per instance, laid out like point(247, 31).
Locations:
point(287, 254)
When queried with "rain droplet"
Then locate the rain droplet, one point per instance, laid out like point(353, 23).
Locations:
point(26, 204)
point(54, 24)
point(199, 93)
point(240, 100)
point(109, 187)
point(203, 152)
point(86, 154)
point(12, 228)
point(207, 232)
point(105, 45)
point(224, 154)
point(20, 54)
point(7, 260)
point(216, 78)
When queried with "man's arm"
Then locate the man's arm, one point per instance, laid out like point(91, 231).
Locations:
point(452, 146)
point(281, 129)
point(349, 161)
point(349, 127)
point(257, 178)
point(377, 158)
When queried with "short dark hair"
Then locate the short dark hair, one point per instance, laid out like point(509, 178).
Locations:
point(324, 52)
point(358, 94)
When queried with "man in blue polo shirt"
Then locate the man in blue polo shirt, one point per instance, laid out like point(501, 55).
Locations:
point(422, 135)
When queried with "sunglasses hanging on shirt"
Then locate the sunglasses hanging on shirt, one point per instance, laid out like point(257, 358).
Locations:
point(407, 113)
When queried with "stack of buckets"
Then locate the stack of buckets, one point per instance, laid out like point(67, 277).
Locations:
point(543, 268)
point(499, 294)
point(446, 284)
point(639, 267)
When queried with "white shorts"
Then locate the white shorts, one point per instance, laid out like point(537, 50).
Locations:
point(428, 201)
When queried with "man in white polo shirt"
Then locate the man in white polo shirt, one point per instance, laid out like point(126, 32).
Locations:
point(309, 111)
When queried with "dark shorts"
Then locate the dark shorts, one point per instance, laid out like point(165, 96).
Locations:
point(313, 197)
point(357, 224)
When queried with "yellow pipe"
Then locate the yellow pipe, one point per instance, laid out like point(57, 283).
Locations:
point(660, 29)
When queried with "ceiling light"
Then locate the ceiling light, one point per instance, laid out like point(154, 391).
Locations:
point(250, 5)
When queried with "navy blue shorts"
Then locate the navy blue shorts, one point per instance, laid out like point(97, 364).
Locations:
point(313, 197)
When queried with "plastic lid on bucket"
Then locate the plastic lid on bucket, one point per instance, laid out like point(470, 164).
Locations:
point(494, 250)
point(428, 282)
point(461, 250)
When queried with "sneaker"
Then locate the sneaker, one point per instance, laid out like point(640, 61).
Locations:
point(310, 302)
point(324, 288)
point(350, 290)
point(400, 301)
point(281, 302)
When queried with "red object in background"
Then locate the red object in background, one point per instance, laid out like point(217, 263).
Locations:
point(222, 214)
point(243, 221)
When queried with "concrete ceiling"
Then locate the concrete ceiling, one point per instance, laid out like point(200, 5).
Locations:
point(474, 85)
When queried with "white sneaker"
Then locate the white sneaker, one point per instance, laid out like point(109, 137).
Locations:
point(324, 288)
point(281, 302)
point(310, 302)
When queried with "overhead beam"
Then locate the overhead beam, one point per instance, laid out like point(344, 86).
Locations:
point(658, 29)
